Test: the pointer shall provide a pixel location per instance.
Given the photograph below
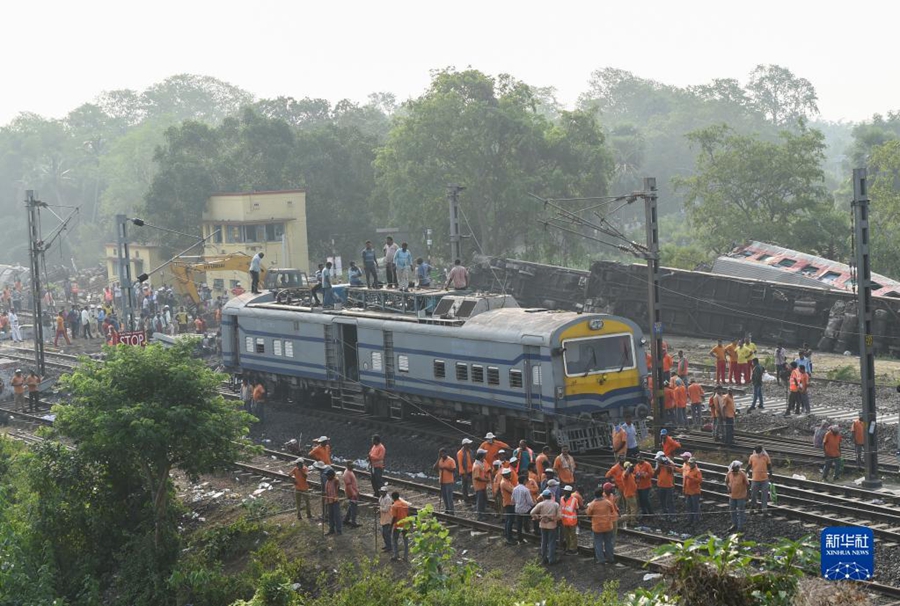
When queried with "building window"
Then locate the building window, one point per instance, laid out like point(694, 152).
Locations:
point(274, 231)
point(254, 233)
point(288, 349)
point(260, 346)
point(218, 284)
point(403, 363)
point(377, 361)
point(234, 234)
point(515, 378)
point(115, 269)
point(276, 347)
point(493, 375)
point(440, 370)
point(218, 230)
point(477, 373)
point(249, 344)
point(462, 371)
point(536, 375)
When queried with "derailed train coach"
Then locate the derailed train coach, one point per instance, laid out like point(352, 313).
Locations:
point(478, 360)
point(701, 303)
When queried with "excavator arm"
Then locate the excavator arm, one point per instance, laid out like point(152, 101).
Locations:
point(185, 273)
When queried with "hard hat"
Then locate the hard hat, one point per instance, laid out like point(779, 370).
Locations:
point(323, 439)
point(608, 487)
point(506, 472)
point(489, 436)
point(501, 451)
point(686, 455)
point(480, 451)
point(546, 494)
point(466, 441)
point(553, 483)
point(736, 463)
point(663, 432)
point(319, 465)
point(567, 488)
point(298, 462)
point(384, 488)
point(496, 463)
point(628, 465)
point(513, 460)
point(659, 454)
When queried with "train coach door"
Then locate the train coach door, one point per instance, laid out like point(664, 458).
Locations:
point(532, 379)
point(348, 346)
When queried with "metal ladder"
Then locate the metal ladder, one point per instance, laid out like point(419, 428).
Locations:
point(395, 410)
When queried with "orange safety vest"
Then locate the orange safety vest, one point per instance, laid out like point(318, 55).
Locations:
point(568, 511)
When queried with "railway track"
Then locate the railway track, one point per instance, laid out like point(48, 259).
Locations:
point(779, 448)
point(636, 550)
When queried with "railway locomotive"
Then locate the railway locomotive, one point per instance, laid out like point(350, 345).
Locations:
point(473, 359)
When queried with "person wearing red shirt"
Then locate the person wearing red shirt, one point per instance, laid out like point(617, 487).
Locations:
point(399, 514)
point(669, 444)
point(832, 447)
point(669, 404)
point(859, 439)
point(665, 484)
point(695, 397)
point(464, 464)
point(492, 446)
point(681, 400)
point(667, 366)
point(693, 478)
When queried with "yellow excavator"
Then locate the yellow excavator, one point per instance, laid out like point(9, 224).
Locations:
point(187, 278)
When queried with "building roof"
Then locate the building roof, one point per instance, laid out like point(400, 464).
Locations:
point(258, 193)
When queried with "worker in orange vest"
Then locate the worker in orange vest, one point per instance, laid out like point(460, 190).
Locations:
point(18, 384)
point(300, 473)
point(832, 447)
point(464, 465)
point(728, 414)
point(643, 475)
point(542, 462)
point(376, 458)
point(681, 400)
point(568, 509)
point(492, 446)
point(619, 440)
point(665, 483)
point(669, 404)
point(565, 467)
point(859, 439)
point(667, 366)
point(693, 478)
point(259, 395)
point(718, 352)
point(669, 444)
point(695, 397)
point(509, 509)
point(481, 477)
point(794, 385)
point(603, 515)
point(629, 494)
point(733, 367)
point(321, 451)
point(34, 382)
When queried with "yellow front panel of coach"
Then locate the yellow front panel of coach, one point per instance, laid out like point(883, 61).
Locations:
point(603, 382)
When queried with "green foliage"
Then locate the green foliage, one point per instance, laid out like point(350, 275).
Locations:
point(148, 409)
point(781, 96)
point(432, 550)
point(847, 372)
point(487, 134)
point(746, 188)
point(884, 166)
point(730, 572)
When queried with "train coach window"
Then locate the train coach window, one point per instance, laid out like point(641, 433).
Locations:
point(260, 346)
point(276, 347)
point(477, 373)
point(493, 375)
point(377, 361)
point(536, 375)
point(249, 344)
point(515, 378)
point(440, 370)
point(288, 349)
point(591, 355)
point(403, 363)
point(462, 371)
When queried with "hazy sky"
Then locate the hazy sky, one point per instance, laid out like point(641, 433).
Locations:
point(57, 55)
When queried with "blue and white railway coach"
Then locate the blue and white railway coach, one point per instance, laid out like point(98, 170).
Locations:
point(475, 359)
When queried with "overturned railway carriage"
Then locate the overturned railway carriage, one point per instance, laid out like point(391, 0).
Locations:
point(480, 360)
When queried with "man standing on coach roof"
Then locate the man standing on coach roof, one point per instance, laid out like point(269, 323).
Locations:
point(254, 272)
point(390, 249)
point(370, 265)
point(458, 277)
point(376, 463)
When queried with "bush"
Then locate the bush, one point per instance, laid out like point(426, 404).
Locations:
point(844, 373)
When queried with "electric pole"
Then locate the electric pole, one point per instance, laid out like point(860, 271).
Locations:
point(654, 311)
point(453, 197)
point(36, 250)
point(866, 338)
point(125, 272)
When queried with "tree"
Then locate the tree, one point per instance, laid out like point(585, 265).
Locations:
point(155, 410)
point(487, 134)
point(781, 96)
point(746, 188)
point(885, 210)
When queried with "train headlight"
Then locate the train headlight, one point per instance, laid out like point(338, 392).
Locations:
point(595, 324)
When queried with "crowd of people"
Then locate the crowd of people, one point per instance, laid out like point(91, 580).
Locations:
point(535, 493)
